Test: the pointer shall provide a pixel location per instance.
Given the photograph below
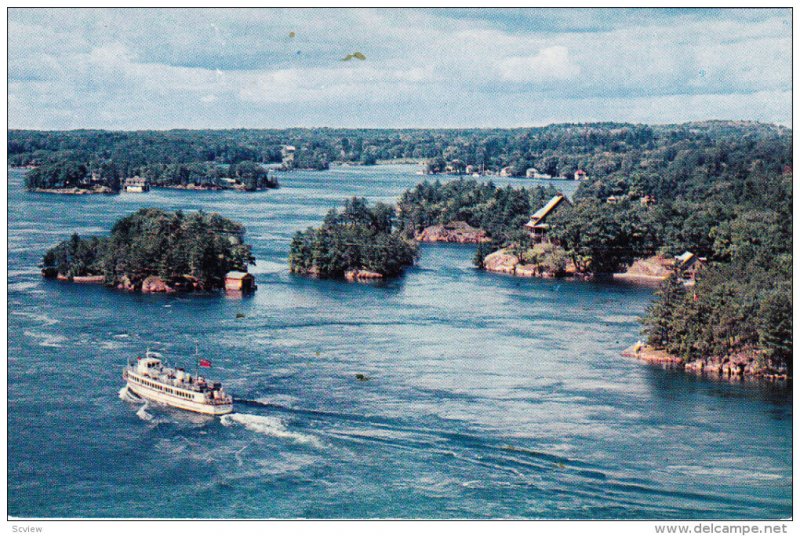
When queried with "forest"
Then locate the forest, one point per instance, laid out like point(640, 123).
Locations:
point(359, 237)
point(600, 149)
point(193, 251)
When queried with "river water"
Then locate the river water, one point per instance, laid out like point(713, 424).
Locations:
point(488, 396)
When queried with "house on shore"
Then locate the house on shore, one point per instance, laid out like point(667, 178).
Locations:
point(240, 281)
point(581, 175)
point(507, 171)
point(537, 226)
point(287, 156)
point(533, 173)
point(688, 264)
point(136, 185)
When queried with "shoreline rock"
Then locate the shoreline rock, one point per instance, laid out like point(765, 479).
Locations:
point(650, 271)
point(75, 191)
point(503, 262)
point(154, 284)
point(647, 272)
point(362, 276)
point(736, 367)
point(458, 232)
point(91, 279)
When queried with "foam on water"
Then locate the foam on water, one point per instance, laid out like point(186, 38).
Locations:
point(50, 340)
point(142, 413)
point(268, 426)
point(286, 401)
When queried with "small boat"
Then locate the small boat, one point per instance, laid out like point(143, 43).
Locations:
point(150, 379)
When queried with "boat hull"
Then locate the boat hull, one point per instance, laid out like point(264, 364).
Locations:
point(175, 402)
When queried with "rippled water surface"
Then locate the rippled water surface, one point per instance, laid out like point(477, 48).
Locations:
point(488, 396)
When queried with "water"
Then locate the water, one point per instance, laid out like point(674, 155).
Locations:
point(488, 396)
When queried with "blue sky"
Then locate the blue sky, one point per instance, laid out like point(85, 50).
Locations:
point(197, 68)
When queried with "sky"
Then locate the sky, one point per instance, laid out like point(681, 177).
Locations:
point(132, 69)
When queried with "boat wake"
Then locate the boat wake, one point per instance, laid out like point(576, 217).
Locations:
point(128, 396)
point(269, 426)
point(142, 413)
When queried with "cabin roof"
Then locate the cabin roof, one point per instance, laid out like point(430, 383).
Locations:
point(547, 209)
point(237, 275)
point(685, 257)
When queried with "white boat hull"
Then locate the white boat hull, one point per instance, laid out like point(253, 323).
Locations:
point(180, 403)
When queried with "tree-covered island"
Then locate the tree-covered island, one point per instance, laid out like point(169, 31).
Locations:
point(359, 243)
point(720, 192)
point(154, 250)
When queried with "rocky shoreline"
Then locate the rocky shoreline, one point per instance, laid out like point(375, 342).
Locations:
point(740, 366)
point(74, 191)
point(151, 284)
point(503, 262)
point(649, 272)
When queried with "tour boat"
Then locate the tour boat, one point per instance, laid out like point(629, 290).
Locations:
point(148, 378)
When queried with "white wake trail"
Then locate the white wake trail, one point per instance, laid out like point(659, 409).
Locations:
point(268, 426)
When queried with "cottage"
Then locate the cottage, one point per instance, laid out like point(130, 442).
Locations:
point(533, 173)
point(688, 264)
point(647, 200)
point(287, 155)
point(507, 172)
point(136, 185)
point(240, 281)
point(537, 226)
point(581, 175)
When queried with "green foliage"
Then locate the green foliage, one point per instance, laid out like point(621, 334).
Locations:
point(200, 247)
point(601, 237)
point(501, 212)
point(358, 237)
point(57, 174)
point(548, 258)
point(775, 330)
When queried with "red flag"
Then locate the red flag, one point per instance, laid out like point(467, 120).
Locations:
point(205, 363)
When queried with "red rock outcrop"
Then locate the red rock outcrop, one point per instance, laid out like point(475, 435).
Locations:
point(153, 283)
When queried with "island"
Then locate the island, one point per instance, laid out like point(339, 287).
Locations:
point(360, 243)
point(706, 204)
point(154, 250)
point(704, 213)
point(70, 175)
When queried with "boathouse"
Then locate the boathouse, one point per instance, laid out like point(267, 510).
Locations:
point(136, 185)
point(240, 281)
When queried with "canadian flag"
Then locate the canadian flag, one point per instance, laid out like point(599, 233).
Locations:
point(205, 363)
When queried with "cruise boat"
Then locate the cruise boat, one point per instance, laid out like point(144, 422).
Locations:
point(150, 379)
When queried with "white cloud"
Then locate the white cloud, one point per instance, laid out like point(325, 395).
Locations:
point(195, 68)
point(552, 63)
